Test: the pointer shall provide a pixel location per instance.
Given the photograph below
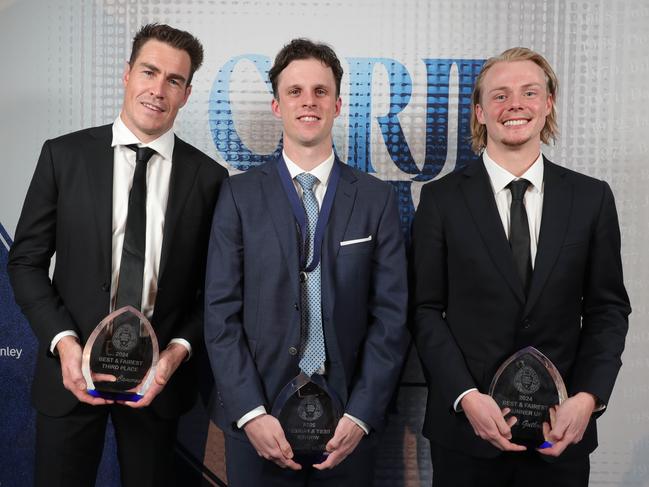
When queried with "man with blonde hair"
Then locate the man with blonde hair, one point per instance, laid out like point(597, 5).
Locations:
point(510, 252)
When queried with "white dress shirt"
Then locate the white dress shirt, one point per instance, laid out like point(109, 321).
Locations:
point(533, 200)
point(158, 175)
point(322, 172)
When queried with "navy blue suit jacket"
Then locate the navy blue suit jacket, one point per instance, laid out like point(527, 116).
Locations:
point(252, 313)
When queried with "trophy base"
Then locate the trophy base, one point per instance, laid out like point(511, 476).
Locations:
point(116, 396)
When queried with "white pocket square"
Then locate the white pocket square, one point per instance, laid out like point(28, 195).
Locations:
point(356, 241)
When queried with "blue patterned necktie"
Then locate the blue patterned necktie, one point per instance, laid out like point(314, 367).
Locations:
point(312, 346)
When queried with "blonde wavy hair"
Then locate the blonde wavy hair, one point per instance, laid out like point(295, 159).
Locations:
point(550, 131)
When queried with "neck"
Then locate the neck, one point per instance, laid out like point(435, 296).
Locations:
point(515, 160)
point(307, 158)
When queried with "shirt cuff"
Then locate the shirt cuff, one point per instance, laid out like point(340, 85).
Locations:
point(361, 424)
point(57, 339)
point(184, 343)
point(258, 411)
point(457, 407)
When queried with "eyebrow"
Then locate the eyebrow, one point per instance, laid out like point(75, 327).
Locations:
point(302, 87)
point(507, 88)
point(155, 69)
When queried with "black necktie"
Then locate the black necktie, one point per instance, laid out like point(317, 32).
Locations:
point(131, 269)
point(519, 232)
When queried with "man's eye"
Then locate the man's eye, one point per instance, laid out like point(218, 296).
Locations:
point(530, 93)
point(500, 97)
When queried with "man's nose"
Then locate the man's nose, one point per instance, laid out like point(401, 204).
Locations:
point(157, 87)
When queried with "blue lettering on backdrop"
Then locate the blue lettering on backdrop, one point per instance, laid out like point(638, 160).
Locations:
point(438, 86)
point(225, 136)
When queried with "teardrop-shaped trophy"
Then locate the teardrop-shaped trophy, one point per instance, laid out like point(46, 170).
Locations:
point(309, 411)
point(529, 384)
point(120, 357)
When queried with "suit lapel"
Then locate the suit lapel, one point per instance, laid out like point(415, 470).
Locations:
point(282, 217)
point(183, 174)
point(335, 231)
point(557, 207)
point(100, 178)
point(479, 197)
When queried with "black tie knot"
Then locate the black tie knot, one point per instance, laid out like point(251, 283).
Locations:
point(142, 154)
point(518, 188)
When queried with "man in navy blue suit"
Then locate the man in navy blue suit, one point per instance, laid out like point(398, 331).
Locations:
point(255, 309)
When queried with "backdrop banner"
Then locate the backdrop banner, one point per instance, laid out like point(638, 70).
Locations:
point(409, 69)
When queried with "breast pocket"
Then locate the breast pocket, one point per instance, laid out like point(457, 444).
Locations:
point(356, 245)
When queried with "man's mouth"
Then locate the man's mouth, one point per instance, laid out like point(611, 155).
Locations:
point(518, 121)
point(153, 107)
point(308, 118)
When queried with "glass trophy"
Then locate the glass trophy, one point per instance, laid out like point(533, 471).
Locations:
point(308, 411)
point(120, 357)
point(528, 384)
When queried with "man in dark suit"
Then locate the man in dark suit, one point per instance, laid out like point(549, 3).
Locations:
point(494, 271)
point(255, 290)
point(77, 207)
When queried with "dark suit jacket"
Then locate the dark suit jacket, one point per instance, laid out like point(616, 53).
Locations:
point(469, 307)
point(252, 314)
point(68, 211)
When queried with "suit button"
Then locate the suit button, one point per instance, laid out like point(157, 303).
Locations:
point(297, 308)
point(527, 323)
point(292, 350)
point(105, 287)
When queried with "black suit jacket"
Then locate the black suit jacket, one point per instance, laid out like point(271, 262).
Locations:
point(252, 317)
point(68, 212)
point(469, 308)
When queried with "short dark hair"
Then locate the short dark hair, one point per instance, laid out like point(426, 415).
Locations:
point(305, 49)
point(176, 38)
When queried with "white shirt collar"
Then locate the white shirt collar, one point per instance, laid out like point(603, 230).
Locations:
point(163, 145)
point(501, 177)
point(322, 171)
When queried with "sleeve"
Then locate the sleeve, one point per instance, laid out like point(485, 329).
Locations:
point(605, 307)
point(441, 358)
point(31, 254)
point(227, 348)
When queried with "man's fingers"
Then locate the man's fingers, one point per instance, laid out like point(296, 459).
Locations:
point(289, 463)
point(511, 421)
point(503, 427)
point(332, 460)
point(505, 445)
point(284, 446)
point(555, 450)
point(103, 378)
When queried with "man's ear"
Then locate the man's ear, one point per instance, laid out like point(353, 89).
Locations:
point(339, 104)
point(274, 106)
point(479, 114)
point(188, 91)
point(127, 73)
